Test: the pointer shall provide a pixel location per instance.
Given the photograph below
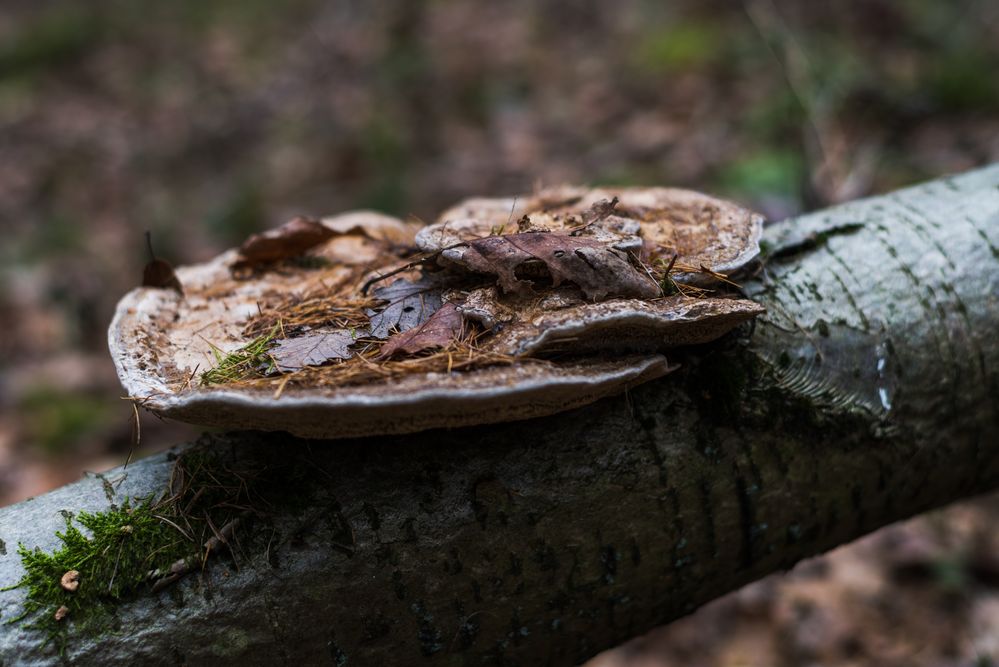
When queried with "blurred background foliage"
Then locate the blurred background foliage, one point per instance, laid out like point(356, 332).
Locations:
point(206, 121)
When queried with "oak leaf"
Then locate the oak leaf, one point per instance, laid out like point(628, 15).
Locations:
point(599, 270)
point(599, 210)
point(444, 327)
point(312, 349)
point(289, 240)
point(410, 304)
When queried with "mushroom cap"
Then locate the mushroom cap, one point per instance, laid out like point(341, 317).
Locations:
point(701, 230)
point(560, 323)
point(160, 341)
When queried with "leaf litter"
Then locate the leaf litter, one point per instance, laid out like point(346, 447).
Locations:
point(407, 305)
point(159, 272)
point(289, 240)
point(312, 349)
point(439, 331)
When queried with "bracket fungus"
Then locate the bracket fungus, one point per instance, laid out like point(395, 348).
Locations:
point(339, 327)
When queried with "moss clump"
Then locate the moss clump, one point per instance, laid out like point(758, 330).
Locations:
point(129, 550)
point(115, 557)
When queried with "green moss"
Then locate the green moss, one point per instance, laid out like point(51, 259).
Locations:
point(121, 552)
point(114, 554)
point(249, 360)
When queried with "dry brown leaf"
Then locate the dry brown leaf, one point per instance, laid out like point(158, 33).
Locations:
point(443, 327)
point(374, 225)
point(599, 270)
point(599, 210)
point(410, 304)
point(656, 222)
point(158, 272)
point(289, 240)
point(313, 349)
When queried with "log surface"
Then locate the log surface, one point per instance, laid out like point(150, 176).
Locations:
point(868, 393)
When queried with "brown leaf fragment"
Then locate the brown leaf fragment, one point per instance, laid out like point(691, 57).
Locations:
point(599, 270)
point(158, 272)
point(313, 349)
point(599, 210)
point(443, 327)
point(61, 613)
point(652, 221)
point(289, 240)
point(374, 225)
point(410, 304)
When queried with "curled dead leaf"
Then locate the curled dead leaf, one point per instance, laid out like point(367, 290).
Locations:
point(408, 304)
point(289, 240)
point(158, 272)
point(598, 210)
point(600, 271)
point(443, 328)
point(374, 225)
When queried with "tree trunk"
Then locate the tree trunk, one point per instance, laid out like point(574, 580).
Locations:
point(868, 393)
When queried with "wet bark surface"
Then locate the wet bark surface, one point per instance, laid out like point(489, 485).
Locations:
point(868, 393)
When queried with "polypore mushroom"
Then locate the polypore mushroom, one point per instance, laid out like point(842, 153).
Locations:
point(466, 335)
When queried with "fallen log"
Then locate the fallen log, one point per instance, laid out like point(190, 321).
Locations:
point(868, 393)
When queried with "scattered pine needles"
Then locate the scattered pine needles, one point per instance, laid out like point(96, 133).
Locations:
point(250, 360)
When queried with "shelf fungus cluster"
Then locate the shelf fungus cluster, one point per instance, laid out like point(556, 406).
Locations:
point(502, 309)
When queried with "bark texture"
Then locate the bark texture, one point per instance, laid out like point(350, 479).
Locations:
point(868, 393)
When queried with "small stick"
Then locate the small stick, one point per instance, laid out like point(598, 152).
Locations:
point(149, 246)
point(187, 565)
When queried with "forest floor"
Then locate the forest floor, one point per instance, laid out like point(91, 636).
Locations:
point(204, 122)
